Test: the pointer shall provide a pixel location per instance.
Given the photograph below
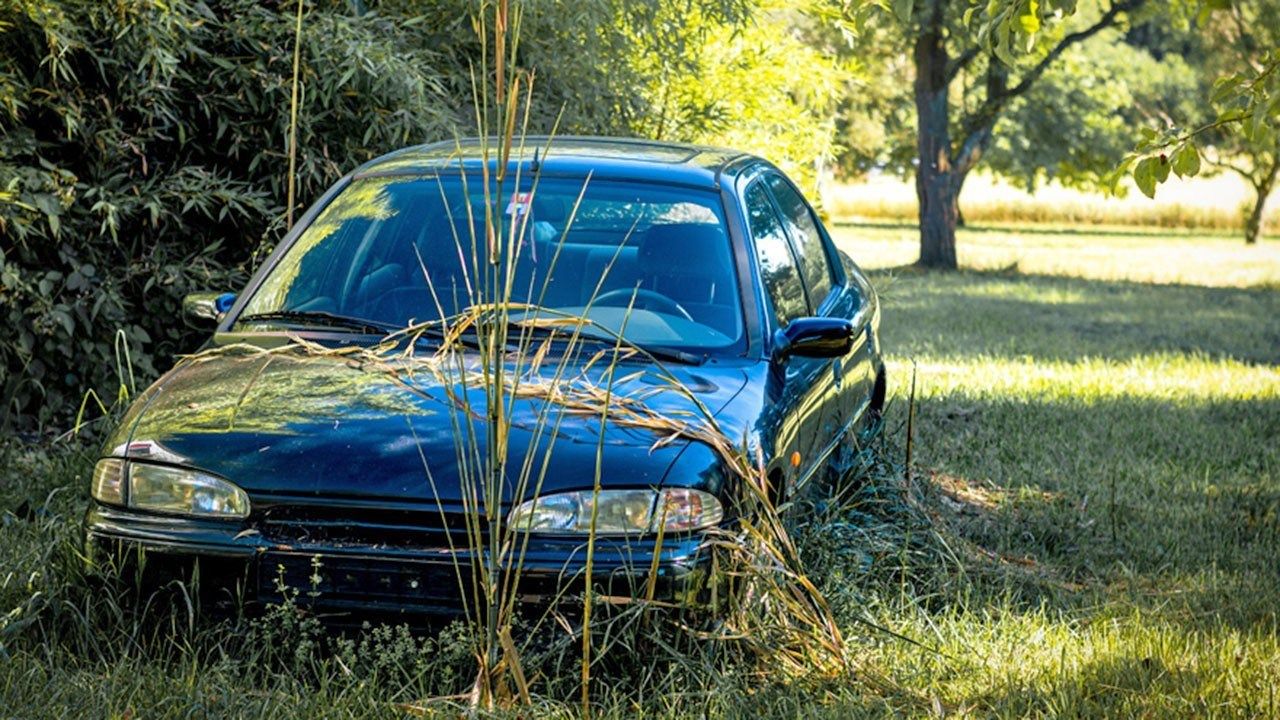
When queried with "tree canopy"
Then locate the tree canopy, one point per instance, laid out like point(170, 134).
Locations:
point(1015, 45)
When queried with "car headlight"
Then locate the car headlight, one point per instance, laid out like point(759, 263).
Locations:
point(108, 481)
point(619, 512)
point(167, 489)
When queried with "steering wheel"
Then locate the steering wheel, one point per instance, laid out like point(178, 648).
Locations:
point(642, 294)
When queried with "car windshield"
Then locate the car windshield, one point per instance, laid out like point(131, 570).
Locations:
point(395, 250)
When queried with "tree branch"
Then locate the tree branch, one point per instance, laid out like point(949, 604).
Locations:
point(961, 61)
point(1208, 127)
point(986, 114)
point(1107, 20)
point(977, 136)
point(1224, 165)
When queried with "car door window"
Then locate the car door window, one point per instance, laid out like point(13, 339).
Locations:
point(778, 270)
point(815, 264)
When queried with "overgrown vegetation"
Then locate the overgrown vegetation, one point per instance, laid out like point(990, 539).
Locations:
point(143, 145)
point(1115, 561)
point(1087, 529)
point(143, 158)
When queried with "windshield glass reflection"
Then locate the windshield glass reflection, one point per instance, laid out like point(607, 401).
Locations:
point(398, 250)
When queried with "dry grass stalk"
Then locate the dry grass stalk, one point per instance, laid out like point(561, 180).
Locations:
point(778, 615)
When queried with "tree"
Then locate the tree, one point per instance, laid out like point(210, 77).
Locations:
point(757, 85)
point(1015, 43)
point(1255, 158)
point(1240, 37)
point(1072, 127)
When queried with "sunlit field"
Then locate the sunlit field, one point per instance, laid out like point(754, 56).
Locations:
point(1138, 255)
point(1213, 204)
point(1099, 426)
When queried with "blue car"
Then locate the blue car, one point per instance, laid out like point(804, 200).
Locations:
point(271, 470)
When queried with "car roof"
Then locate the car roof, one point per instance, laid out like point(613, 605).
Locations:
point(602, 157)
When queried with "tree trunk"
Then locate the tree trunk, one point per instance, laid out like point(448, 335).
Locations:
point(958, 176)
point(1253, 224)
point(934, 185)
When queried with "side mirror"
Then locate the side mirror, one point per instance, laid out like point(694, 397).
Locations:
point(206, 308)
point(815, 337)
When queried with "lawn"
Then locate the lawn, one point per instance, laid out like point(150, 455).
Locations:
point(1099, 416)
point(1136, 254)
point(1096, 451)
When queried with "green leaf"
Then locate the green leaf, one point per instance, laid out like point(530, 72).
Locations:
point(902, 9)
point(1161, 168)
point(1144, 176)
point(1224, 87)
point(1257, 122)
point(1029, 20)
point(1231, 115)
point(1113, 178)
point(1186, 161)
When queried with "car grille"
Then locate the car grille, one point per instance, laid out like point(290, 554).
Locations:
point(306, 525)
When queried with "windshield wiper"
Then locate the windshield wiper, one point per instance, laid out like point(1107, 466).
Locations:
point(658, 352)
point(319, 318)
point(585, 334)
point(673, 355)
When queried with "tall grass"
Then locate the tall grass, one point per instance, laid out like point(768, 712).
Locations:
point(492, 347)
point(767, 617)
point(1089, 531)
point(291, 182)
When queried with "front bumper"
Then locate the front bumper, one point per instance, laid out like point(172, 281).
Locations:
point(236, 565)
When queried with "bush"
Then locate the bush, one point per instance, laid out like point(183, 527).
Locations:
point(142, 156)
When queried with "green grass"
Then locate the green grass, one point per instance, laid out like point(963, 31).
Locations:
point(1109, 453)
point(1138, 255)
point(1094, 527)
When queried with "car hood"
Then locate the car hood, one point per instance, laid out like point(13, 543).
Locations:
point(328, 425)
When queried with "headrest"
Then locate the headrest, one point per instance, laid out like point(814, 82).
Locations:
point(550, 208)
point(684, 249)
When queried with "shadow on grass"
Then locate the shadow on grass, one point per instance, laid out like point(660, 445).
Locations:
point(1099, 441)
point(1172, 506)
point(1125, 686)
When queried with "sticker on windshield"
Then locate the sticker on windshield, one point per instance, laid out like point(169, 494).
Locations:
point(520, 203)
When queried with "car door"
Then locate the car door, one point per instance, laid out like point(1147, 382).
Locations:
point(799, 385)
point(831, 294)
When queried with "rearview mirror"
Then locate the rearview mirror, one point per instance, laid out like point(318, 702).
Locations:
point(815, 337)
point(206, 308)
